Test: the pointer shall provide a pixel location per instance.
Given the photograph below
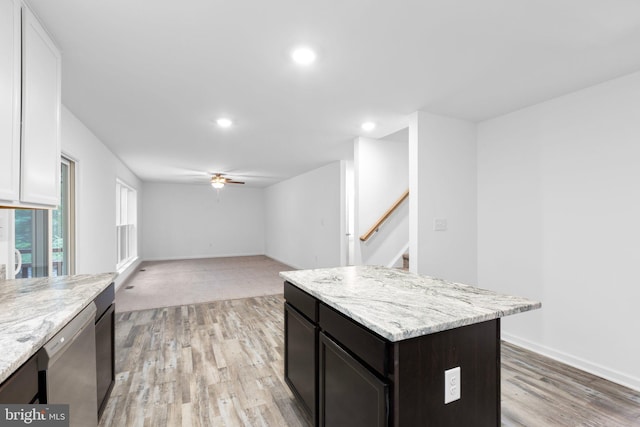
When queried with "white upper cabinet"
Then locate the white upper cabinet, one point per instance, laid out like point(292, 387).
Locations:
point(9, 99)
point(40, 173)
point(32, 146)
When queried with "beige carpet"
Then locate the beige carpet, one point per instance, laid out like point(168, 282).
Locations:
point(169, 283)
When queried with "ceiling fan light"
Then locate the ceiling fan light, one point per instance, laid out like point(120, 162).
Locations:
point(217, 182)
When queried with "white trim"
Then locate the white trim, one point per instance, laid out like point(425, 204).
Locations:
point(127, 217)
point(124, 275)
point(577, 362)
point(127, 264)
point(295, 267)
point(121, 182)
point(207, 256)
point(72, 172)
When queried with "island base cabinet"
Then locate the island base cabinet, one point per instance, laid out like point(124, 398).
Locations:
point(346, 375)
point(419, 382)
point(349, 393)
point(300, 360)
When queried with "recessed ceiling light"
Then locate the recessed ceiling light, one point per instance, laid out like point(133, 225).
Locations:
point(368, 126)
point(303, 56)
point(224, 122)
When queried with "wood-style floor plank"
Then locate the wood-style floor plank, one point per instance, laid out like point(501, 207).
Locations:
point(221, 364)
point(215, 364)
point(539, 391)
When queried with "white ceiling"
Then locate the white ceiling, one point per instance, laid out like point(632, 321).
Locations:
point(149, 77)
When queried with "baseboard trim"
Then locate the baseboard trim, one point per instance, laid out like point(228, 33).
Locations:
point(577, 362)
point(127, 273)
point(295, 267)
point(180, 258)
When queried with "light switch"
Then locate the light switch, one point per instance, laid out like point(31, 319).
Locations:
point(439, 224)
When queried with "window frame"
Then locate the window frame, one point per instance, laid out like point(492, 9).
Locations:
point(43, 222)
point(126, 225)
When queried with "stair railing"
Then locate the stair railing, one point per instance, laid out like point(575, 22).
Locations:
point(366, 236)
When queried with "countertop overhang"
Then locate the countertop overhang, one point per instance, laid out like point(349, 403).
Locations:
point(399, 305)
point(32, 311)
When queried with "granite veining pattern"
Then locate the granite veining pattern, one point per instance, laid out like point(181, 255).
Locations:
point(32, 311)
point(399, 305)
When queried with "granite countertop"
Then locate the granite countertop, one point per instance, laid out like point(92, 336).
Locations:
point(399, 305)
point(32, 311)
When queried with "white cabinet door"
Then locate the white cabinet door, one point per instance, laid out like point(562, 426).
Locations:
point(40, 172)
point(9, 100)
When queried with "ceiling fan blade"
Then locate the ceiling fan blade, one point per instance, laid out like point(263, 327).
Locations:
point(234, 182)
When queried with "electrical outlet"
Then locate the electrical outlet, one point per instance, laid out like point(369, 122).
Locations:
point(452, 385)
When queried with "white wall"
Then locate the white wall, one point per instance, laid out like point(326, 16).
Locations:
point(559, 221)
point(96, 173)
point(381, 170)
point(184, 221)
point(442, 183)
point(305, 218)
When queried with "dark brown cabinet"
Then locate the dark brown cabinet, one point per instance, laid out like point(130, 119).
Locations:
point(105, 345)
point(336, 386)
point(22, 385)
point(347, 375)
point(349, 393)
point(301, 358)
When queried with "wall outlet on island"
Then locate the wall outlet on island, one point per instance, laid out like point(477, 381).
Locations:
point(451, 385)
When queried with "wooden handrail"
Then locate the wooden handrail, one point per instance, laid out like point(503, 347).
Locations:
point(384, 217)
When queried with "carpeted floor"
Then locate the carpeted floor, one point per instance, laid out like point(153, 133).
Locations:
point(169, 283)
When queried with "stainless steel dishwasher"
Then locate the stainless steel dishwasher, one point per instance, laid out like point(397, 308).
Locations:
point(67, 365)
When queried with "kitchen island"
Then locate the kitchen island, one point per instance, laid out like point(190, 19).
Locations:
point(369, 346)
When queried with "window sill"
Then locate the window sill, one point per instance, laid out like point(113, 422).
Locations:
point(122, 267)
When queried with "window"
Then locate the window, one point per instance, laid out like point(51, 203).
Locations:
point(126, 234)
point(32, 242)
point(63, 219)
point(46, 239)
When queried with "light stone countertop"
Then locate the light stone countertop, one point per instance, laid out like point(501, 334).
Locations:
point(32, 311)
point(398, 305)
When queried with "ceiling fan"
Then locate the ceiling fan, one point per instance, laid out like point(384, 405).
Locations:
point(218, 181)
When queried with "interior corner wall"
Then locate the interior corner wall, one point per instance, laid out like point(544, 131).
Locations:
point(381, 176)
point(305, 218)
point(443, 185)
point(96, 171)
point(559, 222)
point(184, 221)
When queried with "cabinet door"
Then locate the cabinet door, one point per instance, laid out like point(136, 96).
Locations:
point(350, 394)
point(40, 171)
point(22, 385)
point(105, 357)
point(300, 358)
point(9, 100)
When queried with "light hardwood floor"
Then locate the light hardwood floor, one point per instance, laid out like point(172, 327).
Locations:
point(538, 391)
point(221, 364)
